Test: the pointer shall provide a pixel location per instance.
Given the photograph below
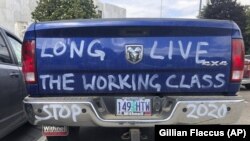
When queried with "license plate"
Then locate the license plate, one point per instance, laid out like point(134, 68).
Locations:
point(133, 107)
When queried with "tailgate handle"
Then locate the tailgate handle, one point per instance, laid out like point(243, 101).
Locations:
point(134, 32)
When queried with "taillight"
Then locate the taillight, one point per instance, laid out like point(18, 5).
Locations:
point(28, 60)
point(237, 67)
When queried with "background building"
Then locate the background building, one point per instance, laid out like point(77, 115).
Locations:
point(109, 11)
point(16, 14)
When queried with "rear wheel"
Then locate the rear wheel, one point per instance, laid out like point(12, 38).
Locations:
point(247, 86)
point(73, 135)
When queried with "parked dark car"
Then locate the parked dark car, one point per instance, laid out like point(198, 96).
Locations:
point(12, 86)
point(246, 76)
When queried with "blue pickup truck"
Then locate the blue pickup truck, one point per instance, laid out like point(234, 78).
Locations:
point(132, 73)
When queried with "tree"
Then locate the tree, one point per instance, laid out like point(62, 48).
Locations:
point(48, 10)
point(227, 10)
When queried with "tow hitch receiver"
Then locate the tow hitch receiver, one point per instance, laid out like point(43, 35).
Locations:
point(134, 134)
point(55, 130)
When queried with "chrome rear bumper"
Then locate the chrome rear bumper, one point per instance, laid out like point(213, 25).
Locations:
point(96, 111)
point(245, 81)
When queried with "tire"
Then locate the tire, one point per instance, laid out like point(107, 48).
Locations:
point(247, 86)
point(73, 135)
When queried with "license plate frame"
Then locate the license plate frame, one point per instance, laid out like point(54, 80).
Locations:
point(139, 106)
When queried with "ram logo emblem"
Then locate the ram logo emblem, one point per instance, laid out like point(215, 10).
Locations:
point(134, 53)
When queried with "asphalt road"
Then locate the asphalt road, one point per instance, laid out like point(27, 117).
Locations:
point(245, 117)
point(28, 132)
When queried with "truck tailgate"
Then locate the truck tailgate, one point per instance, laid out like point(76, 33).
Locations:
point(133, 57)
